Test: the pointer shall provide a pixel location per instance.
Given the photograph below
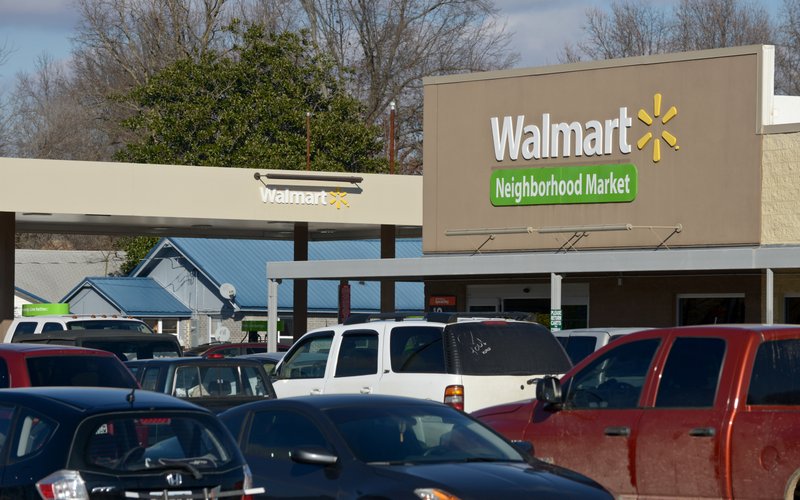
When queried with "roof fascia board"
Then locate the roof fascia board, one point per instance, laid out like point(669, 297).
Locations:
point(601, 64)
point(728, 258)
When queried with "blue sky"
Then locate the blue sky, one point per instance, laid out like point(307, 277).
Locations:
point(540, 29)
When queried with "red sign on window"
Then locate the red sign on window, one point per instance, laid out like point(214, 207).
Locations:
point(442, 303)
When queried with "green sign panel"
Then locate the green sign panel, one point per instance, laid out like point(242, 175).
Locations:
point(259, 326)
point(564, 185)
point(44, 309)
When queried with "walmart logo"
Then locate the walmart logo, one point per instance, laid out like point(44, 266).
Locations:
point(656, 138)
point(338, 199)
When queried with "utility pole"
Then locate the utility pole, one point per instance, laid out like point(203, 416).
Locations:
point(308, 140)
point(391, 137)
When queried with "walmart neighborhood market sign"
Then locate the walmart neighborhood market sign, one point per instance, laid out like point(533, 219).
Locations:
point(513, 139)
point(564, 185)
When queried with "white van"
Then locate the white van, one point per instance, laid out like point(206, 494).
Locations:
point(56, 323)
point(468, 364)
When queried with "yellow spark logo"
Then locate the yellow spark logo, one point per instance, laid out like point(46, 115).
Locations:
point(645, 118)
point(338, 199)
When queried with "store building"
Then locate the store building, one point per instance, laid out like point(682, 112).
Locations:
point(650, 191)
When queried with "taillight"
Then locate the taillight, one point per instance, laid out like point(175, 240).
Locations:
point(215, 355)
point(454, 396)
point(63, 485)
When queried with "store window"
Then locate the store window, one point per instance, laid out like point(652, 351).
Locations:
point(791, 307)
point(696, 309)
point(163, 325)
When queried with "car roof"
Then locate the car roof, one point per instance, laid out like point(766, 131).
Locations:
point(613, 330)
point(106, 334)
point(78, 316)
point(272, 356)
point(194, 360)
point(34, 349)
point(90, 400)
point(328, 401)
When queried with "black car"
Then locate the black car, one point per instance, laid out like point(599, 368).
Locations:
point(374, 446)
point(215, 383)
point(113, 443)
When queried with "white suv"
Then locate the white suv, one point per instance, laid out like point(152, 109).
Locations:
point(57, 323)
point(469, 364)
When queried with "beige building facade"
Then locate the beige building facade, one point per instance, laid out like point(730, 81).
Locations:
point(650, 191)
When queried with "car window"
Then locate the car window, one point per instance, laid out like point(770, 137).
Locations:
point(25, 327)
point(255, 350)
point(6, 415)
point(413, 434)
point(94, 371)
point(149, 379)
point(578, 347)
point(110, 324)
point(221, 380)
point(358, 354)
point(52, 327)
point(275, 433)
point(776, 374)
point(226, 352)
point(141, 442)
point(129, 350)
point(33, 431)
point(417, 349)
point(504, 348)
point(691, 373)
point(187, 382)
point(309, 359)
point(255, 384)
point(614, 380)
point(5, 379)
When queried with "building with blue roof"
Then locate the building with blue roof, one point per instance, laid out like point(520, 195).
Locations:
point(143, 298)
point(203, 289)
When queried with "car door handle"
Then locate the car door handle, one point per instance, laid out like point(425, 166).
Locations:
point(702, 432)
point(617, 431)
point(314, 392)
point(366, 390)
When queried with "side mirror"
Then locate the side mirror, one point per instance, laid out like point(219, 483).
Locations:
point(314, 456)
point(548, 390)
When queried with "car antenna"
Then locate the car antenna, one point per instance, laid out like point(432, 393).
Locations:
point(131, 397)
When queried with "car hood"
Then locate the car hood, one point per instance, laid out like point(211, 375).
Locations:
point(507, 479)
point(501, 409)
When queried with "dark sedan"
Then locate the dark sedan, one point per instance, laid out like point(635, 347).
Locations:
point(371, 446)
point(77, 443)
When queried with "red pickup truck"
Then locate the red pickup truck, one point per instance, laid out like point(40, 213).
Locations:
point(705, 411)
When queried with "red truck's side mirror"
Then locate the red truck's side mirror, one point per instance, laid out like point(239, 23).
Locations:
point(548, 390)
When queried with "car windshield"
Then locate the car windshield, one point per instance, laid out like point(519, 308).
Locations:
point(110, 324)
point(417, 435)
point(144, 348)
point(156, 441)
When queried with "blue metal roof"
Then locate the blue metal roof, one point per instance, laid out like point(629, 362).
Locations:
point(243, 263)
point(140, 297)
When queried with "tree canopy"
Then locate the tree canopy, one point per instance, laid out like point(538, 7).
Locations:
point(247, 108)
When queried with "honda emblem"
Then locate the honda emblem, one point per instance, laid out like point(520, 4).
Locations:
point(174, 479)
